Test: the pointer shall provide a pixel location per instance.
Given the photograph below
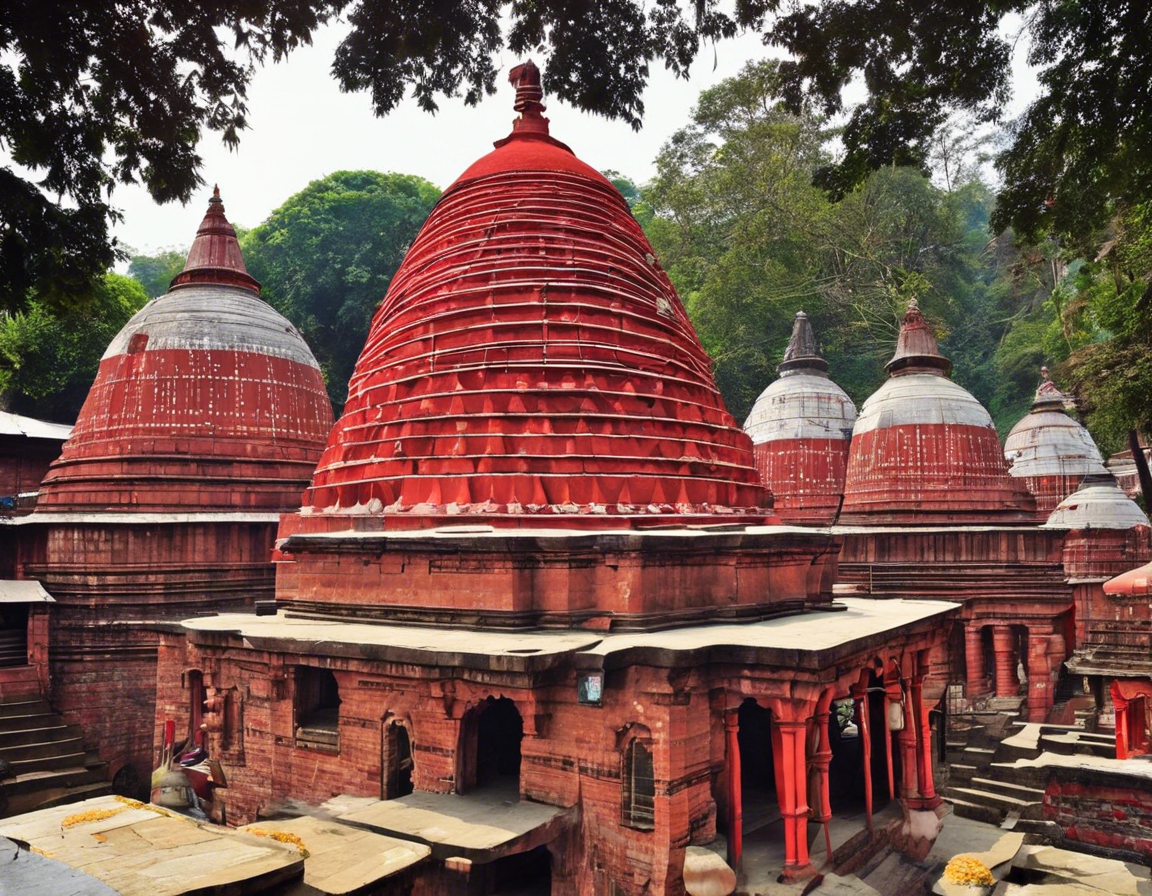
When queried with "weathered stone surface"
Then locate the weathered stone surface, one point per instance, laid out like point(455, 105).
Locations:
point(706, 873)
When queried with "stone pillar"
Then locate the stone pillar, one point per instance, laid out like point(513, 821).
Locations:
point(1040, 697)
point(977, 678)
point(821, 762)
point(923, 744)
point(1005, 649)
point(788, 745)
point(860, 696)
point(735, 792)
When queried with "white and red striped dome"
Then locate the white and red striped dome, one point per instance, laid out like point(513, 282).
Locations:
point(1049, 451)
point(532, 364)
point(924, 449)
point(206, 399)
point(801, 428)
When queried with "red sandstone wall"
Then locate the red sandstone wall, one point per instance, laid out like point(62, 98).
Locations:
point(528, 584)
point(1112, 817)
point(106, 580)
point(23, 463)
point(806, 477)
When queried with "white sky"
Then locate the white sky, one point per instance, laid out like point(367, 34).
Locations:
point(301, 128)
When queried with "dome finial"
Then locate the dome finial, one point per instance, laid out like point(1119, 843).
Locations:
point(529, 99)
point(1048, 396)
point(802, 353)
point(215, 255)
point(916, 347)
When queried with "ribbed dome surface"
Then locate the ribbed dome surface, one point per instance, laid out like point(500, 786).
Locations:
point(800, 428)
point(1050, 451)
point(925, 450)
point(531, 358)
point(207, 399)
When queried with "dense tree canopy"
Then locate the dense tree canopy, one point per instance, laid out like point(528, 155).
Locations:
point(48, 358)
point(112, 91)
point(156, 272)
point(326, 256)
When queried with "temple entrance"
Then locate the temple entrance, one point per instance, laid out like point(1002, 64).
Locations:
point(490, 747)
point(525, 874)
point(757, 770)
point(396, 763)
point(13, 634)
point(845, 771)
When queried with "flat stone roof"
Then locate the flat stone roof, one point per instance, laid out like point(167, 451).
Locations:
point(807, 640)
point(480, 826)
point(142, 850)
point(342, 858)
point(104, 517)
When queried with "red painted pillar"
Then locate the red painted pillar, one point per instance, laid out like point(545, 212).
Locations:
point(1120, 706)
point(977, 678)
point(1004, 647)
point(735, 791)
point(923, 744)
point(788, 743)
point(821, 762)
point(860, 696)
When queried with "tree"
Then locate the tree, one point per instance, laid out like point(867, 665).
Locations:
point(48, 358)
point(155, 272)
point(749, 240)
point(326, 256)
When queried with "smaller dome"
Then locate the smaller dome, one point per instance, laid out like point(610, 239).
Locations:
point(1049, 450)
point(1097, 504)
point(924, 449)
point(801, 427)
point(1134, 583)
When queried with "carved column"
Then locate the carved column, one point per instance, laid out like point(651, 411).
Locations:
point(788, 745)
point(909, 764)
point(1004, 647)
point(821, 762)
point(735, 792)
point(977, 677)
point(923, 743)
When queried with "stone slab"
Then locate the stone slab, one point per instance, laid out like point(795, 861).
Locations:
point(477, 826)
point(1099, 874)
point(344, 859)
point(146, 851)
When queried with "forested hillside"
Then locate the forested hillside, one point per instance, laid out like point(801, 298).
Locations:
point(738, 220)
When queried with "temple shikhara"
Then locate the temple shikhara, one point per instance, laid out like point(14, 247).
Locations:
point(535, 613)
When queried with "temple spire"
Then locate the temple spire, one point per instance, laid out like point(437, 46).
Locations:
point(802, 352)
point(916, 347)
point(1048, 396)
point(529, 99)
point(215, 255)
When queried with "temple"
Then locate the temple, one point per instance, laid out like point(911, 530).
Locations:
point(535, 608)
point(206, 418)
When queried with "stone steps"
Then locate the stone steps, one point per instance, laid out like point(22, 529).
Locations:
point(1007, 788)
point(52, 767)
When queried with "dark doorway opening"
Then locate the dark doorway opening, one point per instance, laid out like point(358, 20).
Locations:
point(846, 770)
point(525, 874)
point(490, 747)
point(14, 635)
point(396, 761)
point(757, 769)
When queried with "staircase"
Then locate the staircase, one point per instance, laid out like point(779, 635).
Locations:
point(51, 764)
point(13, 647)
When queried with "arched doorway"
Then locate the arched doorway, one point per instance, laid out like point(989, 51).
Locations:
point(490, 747)
point(396, 762)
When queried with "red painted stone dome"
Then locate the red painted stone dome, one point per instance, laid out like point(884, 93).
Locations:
point(801, 427)
point(532, 364)
point(925, 450)
point(208, 399)
point(1049, 450)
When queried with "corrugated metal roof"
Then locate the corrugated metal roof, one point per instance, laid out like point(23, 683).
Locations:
point(1097, 504)
point(24, 591)
point(30, 427)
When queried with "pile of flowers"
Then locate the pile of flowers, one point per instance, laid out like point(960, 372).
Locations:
point(281, 837)
point(90, 815)
point(969, 871)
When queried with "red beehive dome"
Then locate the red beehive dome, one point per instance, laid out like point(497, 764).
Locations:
point(801, 426)
point(925, 450)
point(208, 399)
point(1049, 451)
point(532, 359)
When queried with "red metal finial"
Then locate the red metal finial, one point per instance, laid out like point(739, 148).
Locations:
point(215, 254)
